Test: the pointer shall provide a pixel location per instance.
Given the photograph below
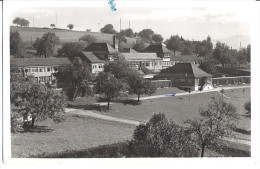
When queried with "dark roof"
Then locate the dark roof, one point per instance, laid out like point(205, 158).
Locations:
point(39, 61)
point(127, 50)
point(126, 45)
point(186, 68)
point(156, 48)
point(101, 48)
point(90, 57)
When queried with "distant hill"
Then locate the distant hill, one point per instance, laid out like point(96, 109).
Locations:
point(234, 41)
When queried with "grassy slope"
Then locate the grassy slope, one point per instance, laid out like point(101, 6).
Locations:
point(76, 133)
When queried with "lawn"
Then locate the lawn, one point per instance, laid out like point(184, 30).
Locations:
point(180, 108)
point(76, 133)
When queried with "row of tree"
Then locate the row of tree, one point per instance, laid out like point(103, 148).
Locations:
point(118, 79)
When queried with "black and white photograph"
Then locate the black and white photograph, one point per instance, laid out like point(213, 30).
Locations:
point(129, 80)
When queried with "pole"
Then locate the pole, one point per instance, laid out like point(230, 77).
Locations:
point(56, 25)
point(120, 24)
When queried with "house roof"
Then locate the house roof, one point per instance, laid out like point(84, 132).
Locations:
point(39, 61)
point(103, 48)
point(179, 57)
point(186, 68)
point(90, 57)
point(127, 50)
point(140, 56)
point(156, 48)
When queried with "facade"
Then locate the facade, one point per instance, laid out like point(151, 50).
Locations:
point(93, 61)
point(161, 52)
point(40, 68)
point(187, 75)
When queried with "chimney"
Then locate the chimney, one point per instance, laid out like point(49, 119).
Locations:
point(115, 43)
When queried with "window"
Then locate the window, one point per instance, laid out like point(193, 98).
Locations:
point(26, 70)
point(34, 69)
point(48, 69)
point(155, 63)
point(147, 64)
point(41, 69)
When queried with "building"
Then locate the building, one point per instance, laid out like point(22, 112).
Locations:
point(178, 58)
point(187, 75)
point(161, 52)
point(40, 68)
point(93, 61)
point(149, 60)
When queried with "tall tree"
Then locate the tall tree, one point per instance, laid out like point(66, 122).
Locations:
point(52, 25)
point(241, 56)
point(209, 65)
point(46, 44)
point(204, 48)
point(70, 26)
point(16, 44)
point(138, 85)
point(157, 38)
point(21, 21)
point(146, 35)
point(218, 120)
point(35, 99)
point(222, 53)
point(174, 43)
point(139, 45)
point(161, 138)
point(70, 49)
point(74, 77)
point(88, 39)
point(127, 32)
point(108, 28)
point(109, 86)
point(248, 58)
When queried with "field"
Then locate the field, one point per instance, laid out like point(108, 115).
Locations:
point(76, 133)
point(29, 34)
point(79, 133)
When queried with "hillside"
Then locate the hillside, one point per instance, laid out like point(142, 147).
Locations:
point(29, 34)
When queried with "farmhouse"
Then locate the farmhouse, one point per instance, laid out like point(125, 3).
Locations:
point(187, 75)
point(40, 68)
point(93, 61)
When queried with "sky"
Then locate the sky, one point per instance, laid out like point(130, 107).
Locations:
point(189, 22)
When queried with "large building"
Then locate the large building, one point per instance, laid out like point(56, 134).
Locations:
point(40, 68)
point(187, 75)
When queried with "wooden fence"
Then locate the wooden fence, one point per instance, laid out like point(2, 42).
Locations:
point(238, 80)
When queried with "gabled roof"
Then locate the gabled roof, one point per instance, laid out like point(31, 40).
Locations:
point(180, 57)
point(39, 61)
point(156, 48)
point(140, 56)
point(127, 50)
point(187, 69)
point(90, 57)
point(102, 48)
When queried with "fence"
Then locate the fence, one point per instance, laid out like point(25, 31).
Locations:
point(231, 80)
point(162, 83)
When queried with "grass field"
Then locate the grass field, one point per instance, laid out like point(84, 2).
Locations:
point(76, 133)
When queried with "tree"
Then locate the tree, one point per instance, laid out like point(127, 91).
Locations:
point(146, 35)
point(127, 32)
point(88, 39)
point(174, 43)
point(204, 48)
point(248, 48)
point(109, 86)
point(74, 78)
point(88, 30)
point(16, 44)
point(247, 107)
point(70, 26)
point(157, 38)
point(217, 120)
point(52, 25)
point(46, 44)
point(70, 49)
point(222, 53)
point(161, 138)
point(139, 45)
point(209, 65)
point(34, 99)
point(140, 86)
point(188, 48)
point(21, 21)
point(241, 56)
point(108, 28)
point(119, 68)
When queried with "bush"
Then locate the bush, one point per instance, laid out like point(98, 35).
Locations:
point(248, 107)
point(161, 138)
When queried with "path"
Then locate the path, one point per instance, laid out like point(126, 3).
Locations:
point(100, 116)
